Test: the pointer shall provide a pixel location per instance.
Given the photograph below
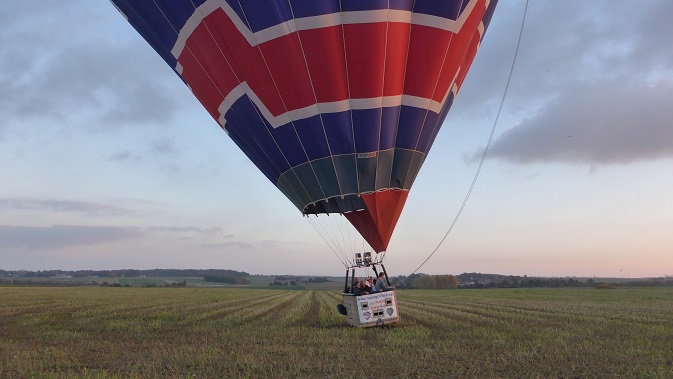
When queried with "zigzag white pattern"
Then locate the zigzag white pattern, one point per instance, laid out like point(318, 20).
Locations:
point(315, 22)
point(332, 107)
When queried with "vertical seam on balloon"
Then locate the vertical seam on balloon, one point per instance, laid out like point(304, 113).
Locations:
point(406, 64)
point(383, 86)
point(378, 155)
point(404, 80)
point(291, 122)
point(315, 97)
point(350, 108)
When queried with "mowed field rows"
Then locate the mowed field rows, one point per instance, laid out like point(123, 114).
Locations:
point(222, 332)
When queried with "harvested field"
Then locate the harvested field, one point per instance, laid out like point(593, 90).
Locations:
point(222, 332)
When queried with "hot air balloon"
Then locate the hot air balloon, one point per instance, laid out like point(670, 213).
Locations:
point(337, 102)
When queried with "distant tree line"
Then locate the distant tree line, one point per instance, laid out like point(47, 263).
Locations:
point(478, 280)
point(182, 284)
point(425, 281)
point(128, 273)
point(415, 281)
point(289, 280)
point(517, 282)
point(279, 283)
point(533, 282)
point(642, 283)
point(56, 283)
point(318, 279)
point(226, 279)
point(285, 280)
point(287, 277)
point(42, 282)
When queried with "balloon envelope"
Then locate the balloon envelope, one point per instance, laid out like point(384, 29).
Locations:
point(337, 102)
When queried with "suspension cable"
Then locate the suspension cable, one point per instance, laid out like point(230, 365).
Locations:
point(325, 236)
point(488, 144)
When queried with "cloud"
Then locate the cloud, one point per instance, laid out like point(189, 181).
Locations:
point(164, 146)
point(57, 205)
point(595, 124)
point(214, 230)
point(125, 156)
point(158, 149)
point(271, 243)
point(263, 244)
point(226, 245)
point(565, 43)
point(14, 237)
point(60, 236)
point(83, 59)
point(586, 89)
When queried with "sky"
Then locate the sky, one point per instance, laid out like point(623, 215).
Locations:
point(108, 161)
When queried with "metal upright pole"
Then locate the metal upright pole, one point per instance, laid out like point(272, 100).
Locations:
point(385, 273)
point(346, 284)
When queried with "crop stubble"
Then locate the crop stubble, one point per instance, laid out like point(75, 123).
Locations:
point(226, 332)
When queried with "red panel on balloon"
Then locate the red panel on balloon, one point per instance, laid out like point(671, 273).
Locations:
point(377, 222)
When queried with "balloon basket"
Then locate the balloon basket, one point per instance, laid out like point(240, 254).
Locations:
point(372, 309)
point(375, 309)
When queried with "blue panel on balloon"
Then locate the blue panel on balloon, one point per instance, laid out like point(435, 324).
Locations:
point(390, 118)
point(247, 124)
point(339, 132)
point(447, 8)
point(310, 8)
point(442, 117)
point(366, 126)
point(262, 14)
point(359, 5)
point(312, 137)
point(287, 139)
point(411, 122)
point(430, 126)
point(405, 5)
